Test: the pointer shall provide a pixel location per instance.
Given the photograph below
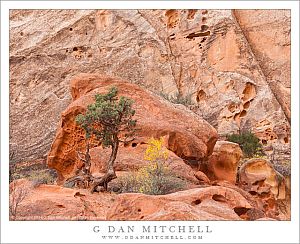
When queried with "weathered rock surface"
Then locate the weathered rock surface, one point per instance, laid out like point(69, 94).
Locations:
point(51, 202)
point(186, 134)
point(260, 179)
point(202, 177)
point(223, 202)
point(234, 65)
point(183, 211)
point(258, 175)
point(210, 203)
point(223, 163)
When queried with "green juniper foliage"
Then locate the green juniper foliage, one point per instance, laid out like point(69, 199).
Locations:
point(107, 117)
point(248, 142)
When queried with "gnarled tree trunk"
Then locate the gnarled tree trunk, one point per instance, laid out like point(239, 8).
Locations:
point(110, 172)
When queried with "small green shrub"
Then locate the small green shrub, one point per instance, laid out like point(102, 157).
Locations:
point(151, 181)
point(178, 99)
point(248, 142)
point(42, 177)
point(284, 169)
point(127, 183)
point(37, 173)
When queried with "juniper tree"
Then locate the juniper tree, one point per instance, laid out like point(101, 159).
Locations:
point(109, 121)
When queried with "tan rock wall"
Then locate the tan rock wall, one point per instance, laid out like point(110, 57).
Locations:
point(268, 33)
point(215, 56)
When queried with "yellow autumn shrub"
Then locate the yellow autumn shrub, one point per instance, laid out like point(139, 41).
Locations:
point(155, 178)
point(155, 151)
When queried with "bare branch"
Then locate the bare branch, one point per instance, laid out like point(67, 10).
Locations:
point(78, 154)
point(125, 142)
point(17, 195)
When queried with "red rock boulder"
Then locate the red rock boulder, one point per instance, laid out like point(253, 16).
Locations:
point(223, 163)
point(259, 176)
point(260, 179)
point(186, 134)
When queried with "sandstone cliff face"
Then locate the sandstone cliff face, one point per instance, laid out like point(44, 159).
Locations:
point(269, 35)
point(236, 74)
